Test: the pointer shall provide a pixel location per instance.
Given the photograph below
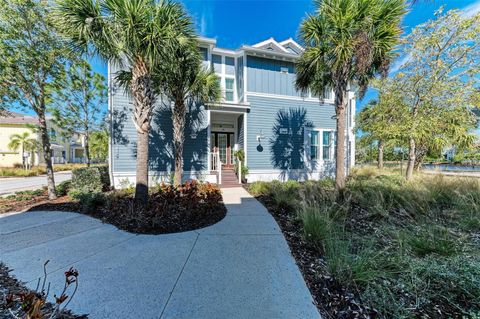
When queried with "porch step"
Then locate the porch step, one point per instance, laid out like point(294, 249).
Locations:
point(229, 178)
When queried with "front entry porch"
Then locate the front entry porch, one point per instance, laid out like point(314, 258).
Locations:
point(226, 136)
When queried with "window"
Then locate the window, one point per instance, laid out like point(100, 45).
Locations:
point(326, 144)
point(327, 94)
point(284, 70)
point(53, 135)
point(314, 145)
point(229, 91)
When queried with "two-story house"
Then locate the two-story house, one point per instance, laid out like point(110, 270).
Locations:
point(284, 134)
point(64, 149)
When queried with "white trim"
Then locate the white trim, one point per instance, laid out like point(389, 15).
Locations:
point(268, 175)
point(270, 41)
point(289, 97)
point(320, 161)
point(245, 140)
point(228, 52)
point(155, 177)
point(209, 146)
point(283, 56)
point(291, 41)
point(245, 77)
point(207, 40)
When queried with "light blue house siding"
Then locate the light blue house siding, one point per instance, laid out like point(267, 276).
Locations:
point(270, 76)
point(282, 124)
point(161, 156)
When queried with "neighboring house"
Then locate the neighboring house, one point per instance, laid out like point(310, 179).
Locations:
point(284, 135)
point(64, 150)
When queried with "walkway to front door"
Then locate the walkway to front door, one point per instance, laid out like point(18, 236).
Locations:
point(238, 268)
point(223, 143)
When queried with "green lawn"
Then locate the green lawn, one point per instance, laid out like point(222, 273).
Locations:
point(406, 249)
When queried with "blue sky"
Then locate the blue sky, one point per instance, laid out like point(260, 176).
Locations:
point(237, 22)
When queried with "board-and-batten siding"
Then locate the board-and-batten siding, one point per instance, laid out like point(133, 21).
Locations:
point(270, 76)
point(282, 151)
point(161, 156)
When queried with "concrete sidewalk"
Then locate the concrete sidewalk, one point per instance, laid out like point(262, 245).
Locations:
point(240, 267)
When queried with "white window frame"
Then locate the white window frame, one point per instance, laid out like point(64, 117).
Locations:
point(223, 76)
point(233, 90)
point(320, 145)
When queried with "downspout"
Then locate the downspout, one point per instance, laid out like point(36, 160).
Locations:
point(110, 126)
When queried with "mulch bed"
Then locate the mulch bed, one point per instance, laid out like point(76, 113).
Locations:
point(331, 298)
point(140, 219)
point(10, 285)
point(195, 206)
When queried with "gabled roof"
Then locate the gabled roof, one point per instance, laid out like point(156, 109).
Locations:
point(291, 45)
point(270, 44)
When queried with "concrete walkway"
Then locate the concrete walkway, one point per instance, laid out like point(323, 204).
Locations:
point(240, 267)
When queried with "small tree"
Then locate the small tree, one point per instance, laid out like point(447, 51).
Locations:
point(32, 60)
point(347, 42)
point(381, 121)
point(79, 106)
point(185, 82)
point(99, 145)
point(438, 83)
point(24, 142)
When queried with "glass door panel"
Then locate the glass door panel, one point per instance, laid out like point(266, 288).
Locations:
point(222, 147)
point(230, 146)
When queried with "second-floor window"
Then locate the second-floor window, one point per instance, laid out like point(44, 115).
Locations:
point(229, 90)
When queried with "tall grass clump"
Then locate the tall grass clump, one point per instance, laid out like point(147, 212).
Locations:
point(285, 195)
point(407, 249)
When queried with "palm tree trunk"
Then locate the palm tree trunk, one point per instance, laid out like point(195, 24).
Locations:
point(141, 188)
point(411, 159)
point(47, 153)
point(340, 110)
point(143, 101)
point(178, 119)
point(380, 154)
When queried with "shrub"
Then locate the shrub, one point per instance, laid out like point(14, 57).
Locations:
point(259, 188)
point(89, 200)
point(169, 209)
point(63, 188)
point(87, 179)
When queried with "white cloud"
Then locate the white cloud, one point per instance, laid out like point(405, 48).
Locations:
point(206, 19)
point(398, 63)
point(471, 9)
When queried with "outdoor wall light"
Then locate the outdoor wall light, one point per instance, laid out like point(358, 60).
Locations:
point(260, 137)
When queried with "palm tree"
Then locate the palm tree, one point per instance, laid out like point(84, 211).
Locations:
point(23, 141)
point(131, 34)
point(184, 81)
point(347, 42)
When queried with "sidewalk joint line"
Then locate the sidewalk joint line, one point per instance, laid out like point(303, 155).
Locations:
point(179, 275)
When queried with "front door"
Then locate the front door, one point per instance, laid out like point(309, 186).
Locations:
point(223, 144)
